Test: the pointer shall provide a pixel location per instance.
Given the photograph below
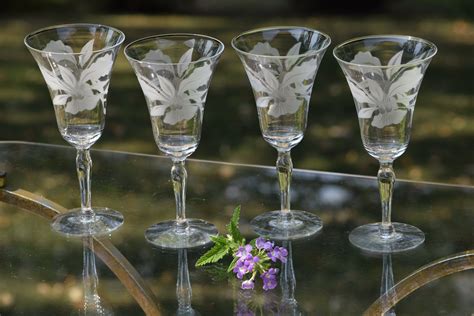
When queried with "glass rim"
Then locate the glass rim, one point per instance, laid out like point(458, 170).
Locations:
point(271, 28)
point(190, 35)
point(73, 25)
point(386, 36)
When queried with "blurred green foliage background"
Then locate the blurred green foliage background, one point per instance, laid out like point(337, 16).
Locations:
point(441, 148)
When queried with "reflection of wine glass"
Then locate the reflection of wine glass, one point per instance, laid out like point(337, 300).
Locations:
point(175, 72)
point(384, 73)
point(76, 62)
point(183, 286)
point(387, 279)
point(92, 302)
point(289, 305)
point(281, 64)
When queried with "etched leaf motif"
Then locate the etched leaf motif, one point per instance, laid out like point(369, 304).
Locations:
point(374, 89)
point(366, 59)
point(158, 110)
point(149, 90)
point(300, 73)
point(157, 56)
point(366, 113)
point(178, 114)
point(289, 105)
point(270, 80)
point(388, 118)
point(100, 68)
point(184, 61)
point(256, 82)
point(199, 77)
point(407, 81)
point(64, 52)
point(294, 50)
point(50, 79)
point(264, 49)
point(394, 61)
point(166, 89)
point(86, 52)
point(359, 94)
point(60, 99)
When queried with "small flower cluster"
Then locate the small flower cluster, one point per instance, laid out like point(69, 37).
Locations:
point(250, 260)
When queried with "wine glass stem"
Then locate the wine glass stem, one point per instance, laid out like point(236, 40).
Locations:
point(178, 177)
point(386, 180)
point(284, 168)
point(83, 165)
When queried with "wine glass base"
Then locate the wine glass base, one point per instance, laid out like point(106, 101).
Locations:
point(278, 225)
point(75, 224)
point(171, 236)
point(368, 238)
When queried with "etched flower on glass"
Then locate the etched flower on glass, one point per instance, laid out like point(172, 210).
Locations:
point(174, 72)
point(384, 73)
point(76, 62)
point(281, 64)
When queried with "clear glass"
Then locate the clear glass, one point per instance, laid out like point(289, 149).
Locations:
point(174, 72)
point(76, 62)
point(281, 64)
point(384, 73)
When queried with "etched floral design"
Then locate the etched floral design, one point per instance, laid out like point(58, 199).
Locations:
point(281, 84)
point(387, 92)
point(176, 91)
point(77, 81)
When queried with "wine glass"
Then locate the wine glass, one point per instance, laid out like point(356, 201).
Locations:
point(76, 62)
point(281, 64)
point(174, 72)
point(384, 73)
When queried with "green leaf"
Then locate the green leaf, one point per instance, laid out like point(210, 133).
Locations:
point(218, 239)
point(233, 226)
point(232, 264)
point(216, 253)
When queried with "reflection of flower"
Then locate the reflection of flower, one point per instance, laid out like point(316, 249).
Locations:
point(388, 93)
point(281, 86)
point(77, 93)
point(180, 93)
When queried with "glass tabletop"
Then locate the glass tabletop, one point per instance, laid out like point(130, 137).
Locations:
point(42, 273)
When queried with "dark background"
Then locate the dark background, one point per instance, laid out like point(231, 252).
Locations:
point(441, 144)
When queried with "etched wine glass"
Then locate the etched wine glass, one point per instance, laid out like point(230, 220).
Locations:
point(384, 73)
point(76, 62)
point(174, 72)
point(281, 64)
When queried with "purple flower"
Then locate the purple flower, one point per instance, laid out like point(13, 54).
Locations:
point(245, 265)
point(269, 279)
point(247, 285)
point(243, 251)
point(262, 243)
point(278, 253)
point(240, 269)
